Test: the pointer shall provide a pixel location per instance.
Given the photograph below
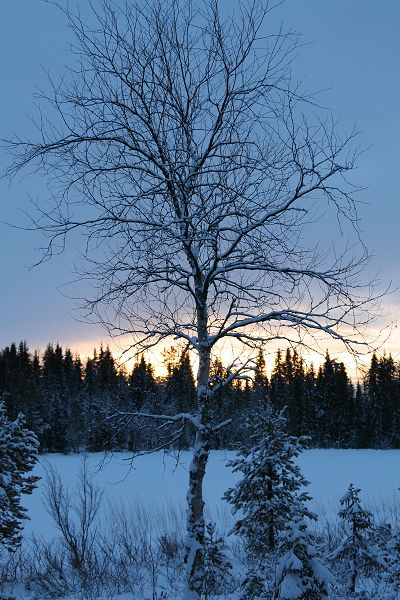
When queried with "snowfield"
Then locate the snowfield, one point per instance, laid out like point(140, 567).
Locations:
point(137, 548)
point(157, 482)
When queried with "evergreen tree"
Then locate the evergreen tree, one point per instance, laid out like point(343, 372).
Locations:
point(24, 378)
point(389, 401)
point(335, 399)
point(20, 384)
point(37, 422)
point(269, 491)
point(253, 586)
point(310, 418)
point(217, 568)
point(260, 377)
point(355, 547)
point(74, 406)
point(226, 405)
point(141, 385)
point(103, 400)
point(300, 574)
point(277, 393)
point(18, 455)
point(383, 402)
point(180, 390)
point(55, 395)
point(343, 414)
point(372, 424)
point(358, 439)
point(394, 561)
point(296, 380)
point(143, 395)
point(10, 380)
point(180, 387)
point(238, 406)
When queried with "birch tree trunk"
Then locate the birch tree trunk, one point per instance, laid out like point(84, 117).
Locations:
point(195, 501)
point(195, 518)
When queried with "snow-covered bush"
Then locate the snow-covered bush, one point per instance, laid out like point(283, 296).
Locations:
point(300, 573)
point(75, 517)
point(270, 489)
point(125, 551)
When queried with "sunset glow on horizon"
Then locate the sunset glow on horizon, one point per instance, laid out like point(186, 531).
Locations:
point(390, 344)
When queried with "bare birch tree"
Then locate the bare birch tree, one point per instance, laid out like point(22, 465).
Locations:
point(179, 146)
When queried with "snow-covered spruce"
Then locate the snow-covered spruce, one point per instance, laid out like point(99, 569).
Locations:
point(18, 455)
point(269, 491)
point(253, 586)
point(300, 574)
point(356, 548)
point(394, 560)
point(218, 573)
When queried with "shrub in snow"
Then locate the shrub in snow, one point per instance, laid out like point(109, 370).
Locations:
point(357, 546)
point(300, 574)
point(18, 455)
point(269, 491)
point(76, 518)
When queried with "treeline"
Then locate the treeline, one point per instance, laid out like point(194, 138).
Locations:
point(73, 405)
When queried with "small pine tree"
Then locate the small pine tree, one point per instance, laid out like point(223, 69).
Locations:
point(394, 560)
point(252, 587)
point(217, 568)
point(18, 455)
point(300, 574)
point(260, 376)
point(269, 491)
point(356, 546)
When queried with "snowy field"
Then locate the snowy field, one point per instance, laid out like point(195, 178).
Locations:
point(157, 482)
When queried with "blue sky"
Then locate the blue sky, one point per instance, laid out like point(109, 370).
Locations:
point(352, 51)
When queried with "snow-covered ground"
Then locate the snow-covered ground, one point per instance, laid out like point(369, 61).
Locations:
point(158, 482)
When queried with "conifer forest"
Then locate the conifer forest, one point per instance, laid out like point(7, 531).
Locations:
point(75, 406)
